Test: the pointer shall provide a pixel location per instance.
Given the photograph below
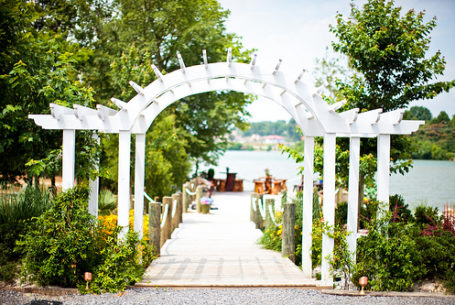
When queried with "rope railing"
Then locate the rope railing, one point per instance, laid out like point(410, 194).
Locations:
point(174, 207)
point(163, 220)
point(190, 193)
point(272, 216)
point(261, 208)
point(148, 197)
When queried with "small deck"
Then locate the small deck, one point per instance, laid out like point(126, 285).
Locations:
point(220, 250)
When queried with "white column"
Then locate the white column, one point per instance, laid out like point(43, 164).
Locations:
point(353, 194)
point(328, 206)
point(94, 185)
point(124, 181)
point(69, 152)
point(139, 170)
point(307, 218)
point(383, 174)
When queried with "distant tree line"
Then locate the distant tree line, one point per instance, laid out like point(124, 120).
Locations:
point(289, 130)
point(436, 139)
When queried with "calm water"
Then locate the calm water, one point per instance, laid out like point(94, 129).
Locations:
point(429, 182)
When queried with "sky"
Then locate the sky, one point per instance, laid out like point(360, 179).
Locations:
point(297, 31)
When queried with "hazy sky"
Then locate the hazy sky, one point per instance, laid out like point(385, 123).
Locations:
point(298, 32)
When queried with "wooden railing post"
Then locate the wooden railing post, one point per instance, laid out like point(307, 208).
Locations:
point(198, 198)
point(268, 217)
point(175, 212)
point(259, 219)
point(186, 196)
point(155, 226)
point(166, 231)
point(180, 207)
point(288, 237)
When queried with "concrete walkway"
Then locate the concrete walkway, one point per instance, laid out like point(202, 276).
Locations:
point(220, 250)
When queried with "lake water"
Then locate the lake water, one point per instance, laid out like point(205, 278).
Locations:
point(428, 182)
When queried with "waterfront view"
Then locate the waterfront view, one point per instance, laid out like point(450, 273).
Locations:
point(428, 182)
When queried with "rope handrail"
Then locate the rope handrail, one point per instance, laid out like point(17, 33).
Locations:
point(189, 192)
point(148, 197)
point(253, 203)
point(163, 220)
point(174, 207)
point(272, 216)
point(261, 208)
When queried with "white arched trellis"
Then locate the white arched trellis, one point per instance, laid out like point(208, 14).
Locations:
point(313, 115)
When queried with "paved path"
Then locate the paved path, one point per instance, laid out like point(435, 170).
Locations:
point(220, 250)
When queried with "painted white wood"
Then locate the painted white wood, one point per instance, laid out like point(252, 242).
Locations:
point(353, 194)
point(307, 219)
point(124, 181)
point(139, 172)
point(94, 187)
point(383, 172)
point(328, 205)
point(68, 160)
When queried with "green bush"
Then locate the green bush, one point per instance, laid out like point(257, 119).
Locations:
point(425, 215)
point(400, 210)
point(61, 245)
point(389, 256)
point(66, 241)
point(124, 263)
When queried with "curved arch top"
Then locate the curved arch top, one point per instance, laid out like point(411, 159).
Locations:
point(313, 115)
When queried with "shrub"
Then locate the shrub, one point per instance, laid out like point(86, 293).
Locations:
point(107, 202)
point(400, 210)
point(61, 245)
point(123, 264)
point(425, 215)
point(66, 241)
point(341, 213)
point(389, 256)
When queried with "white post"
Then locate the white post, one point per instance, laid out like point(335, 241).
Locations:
point(69, 152)
point(353, 194)
point(307, 218)
point(124, 181)
point(94, 186)
point(328, 205)
point(139, 170)
point(383, 174)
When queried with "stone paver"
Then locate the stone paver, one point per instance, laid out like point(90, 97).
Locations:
point(220, 249)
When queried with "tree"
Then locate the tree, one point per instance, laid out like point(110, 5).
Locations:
point(442, 117)
point(418, 113)
point(388, 53)
point(38, 68)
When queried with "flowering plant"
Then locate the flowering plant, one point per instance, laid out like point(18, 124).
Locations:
point(206, 200)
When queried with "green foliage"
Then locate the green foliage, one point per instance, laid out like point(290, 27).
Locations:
point(340, 258)
point(122, 265)
point(426, 215)
point(400, 210)
point(418, 113)
point(382, 44)
point(17, 212)
point(389, 256)
point(66, 241)
point(434, 140)
point(107, 202)
point(271, 239)
point(280, 128)
point(61, 244)
point(341, 213)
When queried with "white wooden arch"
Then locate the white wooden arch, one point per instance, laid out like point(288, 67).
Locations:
point(312, 114)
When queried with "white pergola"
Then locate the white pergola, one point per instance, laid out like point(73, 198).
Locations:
point(313, 115)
